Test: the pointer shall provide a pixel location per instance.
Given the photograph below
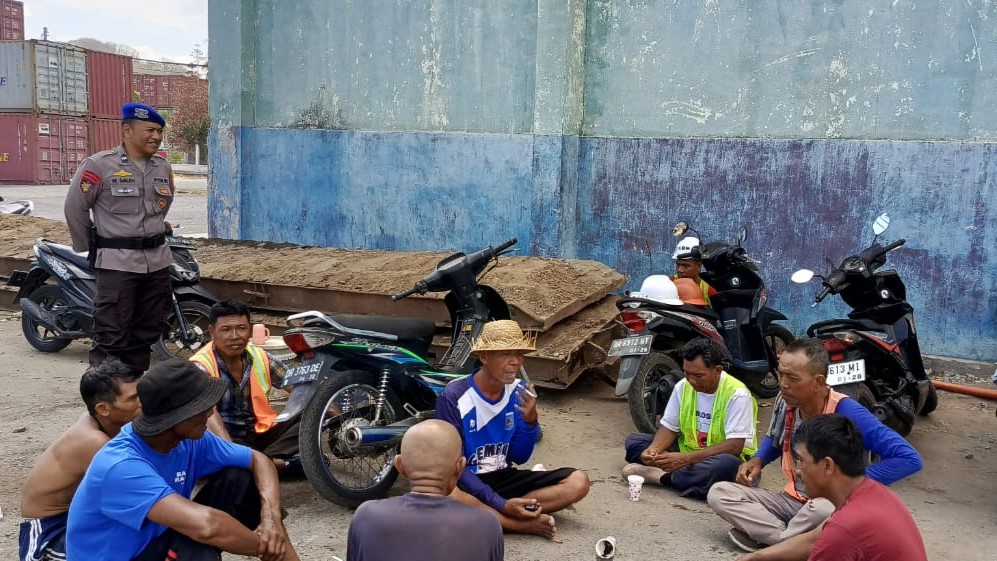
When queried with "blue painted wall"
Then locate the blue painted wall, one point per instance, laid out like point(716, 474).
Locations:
point(587, 128)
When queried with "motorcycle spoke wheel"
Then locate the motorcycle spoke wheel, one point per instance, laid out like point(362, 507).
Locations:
point(343, 475)
point(172, 345)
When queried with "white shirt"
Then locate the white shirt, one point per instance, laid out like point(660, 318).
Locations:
point(739, 422)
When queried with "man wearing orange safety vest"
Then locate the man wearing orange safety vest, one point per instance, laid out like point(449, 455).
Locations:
point(760, 517)
point(245, 415)
point(688, 265)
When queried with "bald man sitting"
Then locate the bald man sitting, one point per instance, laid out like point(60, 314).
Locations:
point(426, 524)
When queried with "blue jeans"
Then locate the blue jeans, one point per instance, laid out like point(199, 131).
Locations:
point(692, 481)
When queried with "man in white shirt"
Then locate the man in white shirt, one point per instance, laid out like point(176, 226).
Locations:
point(707, 430)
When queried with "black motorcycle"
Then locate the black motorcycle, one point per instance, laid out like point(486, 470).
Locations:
point(364, 380)
point(57, 300)
point(738, 318)
point(875, 356)
point(22, 207)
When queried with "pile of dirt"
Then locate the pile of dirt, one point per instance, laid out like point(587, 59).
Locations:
point(18, 234)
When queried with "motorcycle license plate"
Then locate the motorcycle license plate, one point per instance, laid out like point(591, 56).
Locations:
point(631, 346)
point(307, 372)
point(846, 372)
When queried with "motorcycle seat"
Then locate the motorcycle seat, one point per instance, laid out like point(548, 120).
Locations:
point(67, 253)
point(839, 324)
point(403, 328)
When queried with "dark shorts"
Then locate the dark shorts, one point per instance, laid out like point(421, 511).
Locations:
point(43, 539)
point(511, 483)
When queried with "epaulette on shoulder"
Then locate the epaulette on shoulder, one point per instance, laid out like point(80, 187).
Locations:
point(158, 156)
point(104, 154)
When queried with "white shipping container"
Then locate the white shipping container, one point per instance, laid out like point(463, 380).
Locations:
point(42, 76)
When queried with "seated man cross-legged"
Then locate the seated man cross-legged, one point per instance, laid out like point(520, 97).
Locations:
point(707, 430)
point(134, 502)
point(108, 390)
point(869, 522)
point(761, 517)
point(496, 417)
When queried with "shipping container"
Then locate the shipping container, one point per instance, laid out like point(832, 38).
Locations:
point(153, 90)
point(41, 76)
point(104, 134)
point(110, 79)
point(11, 20)
point(39, 148)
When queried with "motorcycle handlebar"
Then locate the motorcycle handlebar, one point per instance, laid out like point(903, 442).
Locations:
point(894, 245)
point(820, 297)
point(506, 245)
point(419, 288)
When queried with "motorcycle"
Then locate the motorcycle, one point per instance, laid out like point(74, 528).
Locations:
point(875, 356)
point(23, 207)
point(364, 380)
point(56, 313)
point(739, 320)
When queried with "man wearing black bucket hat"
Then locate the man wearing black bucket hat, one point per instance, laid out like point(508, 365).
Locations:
point(134, 502)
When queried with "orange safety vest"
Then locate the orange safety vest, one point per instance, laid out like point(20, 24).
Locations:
point(787, 443)
point(259, 384)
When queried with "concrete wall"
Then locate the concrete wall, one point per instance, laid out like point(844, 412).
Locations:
point(587, 128)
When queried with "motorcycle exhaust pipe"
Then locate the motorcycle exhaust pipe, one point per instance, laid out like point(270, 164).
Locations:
point(389, 435)
point(40, 315)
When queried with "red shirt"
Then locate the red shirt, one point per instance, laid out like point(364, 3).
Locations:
point(872, 525)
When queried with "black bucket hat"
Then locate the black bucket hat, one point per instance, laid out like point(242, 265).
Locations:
point(173, 391)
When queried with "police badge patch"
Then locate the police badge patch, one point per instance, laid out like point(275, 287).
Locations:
point(160, 204)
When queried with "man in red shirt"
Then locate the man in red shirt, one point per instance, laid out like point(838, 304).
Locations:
point(869, 523)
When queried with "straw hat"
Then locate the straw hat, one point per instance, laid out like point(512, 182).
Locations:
point(504, 335)
point(689, 292)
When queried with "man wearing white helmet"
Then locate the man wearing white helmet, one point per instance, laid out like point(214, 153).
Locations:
point(688, 265)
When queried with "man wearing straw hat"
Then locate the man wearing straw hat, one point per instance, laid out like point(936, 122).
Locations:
point(134, 501)
point(496, 416)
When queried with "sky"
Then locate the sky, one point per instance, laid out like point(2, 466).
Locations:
point(164, 29)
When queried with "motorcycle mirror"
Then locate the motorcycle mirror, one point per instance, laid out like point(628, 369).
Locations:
point(802, 276)
point(881, 224)
point(680, 228)
point(742, 234)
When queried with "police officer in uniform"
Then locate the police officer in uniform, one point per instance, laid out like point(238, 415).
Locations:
point(116, 210)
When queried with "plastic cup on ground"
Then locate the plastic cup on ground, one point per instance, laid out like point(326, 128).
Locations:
point(605, 548)
point(636, 482)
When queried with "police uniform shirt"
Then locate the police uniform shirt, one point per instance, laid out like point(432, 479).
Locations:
point(126, 202)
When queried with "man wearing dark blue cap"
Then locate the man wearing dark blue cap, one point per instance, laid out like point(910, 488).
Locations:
point(116, 210)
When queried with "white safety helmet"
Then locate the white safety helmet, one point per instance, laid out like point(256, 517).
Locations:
point(685, 248)
point(659, 288)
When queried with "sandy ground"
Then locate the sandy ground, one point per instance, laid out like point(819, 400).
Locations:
point(953, 500)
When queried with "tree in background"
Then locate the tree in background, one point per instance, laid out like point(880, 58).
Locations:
point(189, 122)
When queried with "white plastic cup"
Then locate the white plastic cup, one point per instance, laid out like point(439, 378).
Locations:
point(606, 547)
point(636, 483)
point(260, 334)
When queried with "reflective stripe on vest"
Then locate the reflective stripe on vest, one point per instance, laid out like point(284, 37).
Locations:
point(259, 383)
point(787, 444)
point(689, 439)
point(706, 290)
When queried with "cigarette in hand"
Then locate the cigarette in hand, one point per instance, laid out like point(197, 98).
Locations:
point(526, 379)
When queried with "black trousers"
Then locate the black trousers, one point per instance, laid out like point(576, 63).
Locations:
point(130, 312)
point(231, 490)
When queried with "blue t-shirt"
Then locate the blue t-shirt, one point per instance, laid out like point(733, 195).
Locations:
point(493, 432)
point(107, 518)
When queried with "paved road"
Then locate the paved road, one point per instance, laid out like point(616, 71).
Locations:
point(189, 209)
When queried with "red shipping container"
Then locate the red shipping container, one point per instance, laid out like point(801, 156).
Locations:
point(41, 149)
point(11, 20)
point(109, 77)
point(154, 89)
point(104, 134)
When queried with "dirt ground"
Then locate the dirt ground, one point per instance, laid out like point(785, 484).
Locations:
point(954, 500)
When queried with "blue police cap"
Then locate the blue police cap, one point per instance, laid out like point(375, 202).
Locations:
point(141, 112)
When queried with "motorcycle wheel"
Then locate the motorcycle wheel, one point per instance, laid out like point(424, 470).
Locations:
point(342, 476)
point(197, 315)
point(931, 403)
point(776, 339)
point(50, 298)
point(646, 404)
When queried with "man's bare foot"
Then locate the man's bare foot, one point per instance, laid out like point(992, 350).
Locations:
point(650, 474)
point(542, 525)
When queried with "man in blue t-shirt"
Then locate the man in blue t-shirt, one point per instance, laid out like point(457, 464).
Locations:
point(496, 417)
point(134, 501)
